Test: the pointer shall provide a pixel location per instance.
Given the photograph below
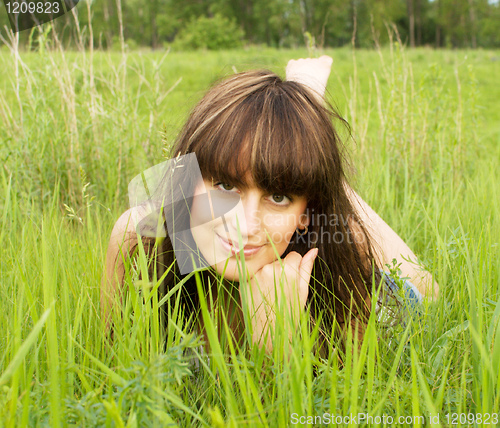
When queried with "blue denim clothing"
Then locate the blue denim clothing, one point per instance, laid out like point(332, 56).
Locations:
point(408, 297)
point(412, 296)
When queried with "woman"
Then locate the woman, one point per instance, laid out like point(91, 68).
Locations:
point(267, 148)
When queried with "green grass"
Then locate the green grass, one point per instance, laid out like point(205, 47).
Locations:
point(75, 127)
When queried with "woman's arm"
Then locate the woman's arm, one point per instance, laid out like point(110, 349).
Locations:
point(389, 246)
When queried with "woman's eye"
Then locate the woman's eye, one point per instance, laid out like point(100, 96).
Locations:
point(280, 199)
point(225, 187)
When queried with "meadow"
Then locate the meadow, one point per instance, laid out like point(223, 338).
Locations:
point(77, 126)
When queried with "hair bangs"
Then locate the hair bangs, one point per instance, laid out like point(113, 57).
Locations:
point(270, 138)
point(286, 151)
point(223, 154)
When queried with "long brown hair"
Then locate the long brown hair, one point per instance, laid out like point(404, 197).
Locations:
point(279, 132)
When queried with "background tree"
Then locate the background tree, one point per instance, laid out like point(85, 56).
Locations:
point(283, 23)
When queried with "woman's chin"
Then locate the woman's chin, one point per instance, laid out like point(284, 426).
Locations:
point(229, 270)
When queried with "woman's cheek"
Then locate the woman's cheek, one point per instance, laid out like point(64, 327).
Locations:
point(281, 237)
point(280, 229)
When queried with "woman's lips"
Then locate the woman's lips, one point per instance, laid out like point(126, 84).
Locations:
point(248, 250)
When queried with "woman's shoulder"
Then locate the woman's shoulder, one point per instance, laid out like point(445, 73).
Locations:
point(127, 222)
point(121, 242)
point(124, 234)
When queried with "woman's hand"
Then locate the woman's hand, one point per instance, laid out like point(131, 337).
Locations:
point(311, 72)
point(279, 286)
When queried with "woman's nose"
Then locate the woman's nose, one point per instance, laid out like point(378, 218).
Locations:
point(247, 218)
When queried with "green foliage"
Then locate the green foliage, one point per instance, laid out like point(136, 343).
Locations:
point(76, 127)
point(129, 44)
point(280, 23)
point(215, 33)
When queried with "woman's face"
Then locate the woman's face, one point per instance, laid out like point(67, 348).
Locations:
point(265, 223)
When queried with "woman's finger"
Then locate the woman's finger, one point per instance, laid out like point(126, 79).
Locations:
point(293, 260)
point(305, 270)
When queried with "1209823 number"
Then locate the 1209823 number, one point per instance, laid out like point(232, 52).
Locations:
point(32, 7)
point(472, 418)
